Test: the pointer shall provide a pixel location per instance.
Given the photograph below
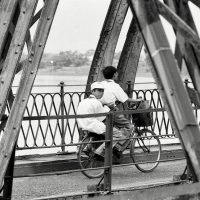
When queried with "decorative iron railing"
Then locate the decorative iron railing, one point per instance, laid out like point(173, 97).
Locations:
point(39, 130)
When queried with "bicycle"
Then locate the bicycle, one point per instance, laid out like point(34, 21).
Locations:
point(145, 151)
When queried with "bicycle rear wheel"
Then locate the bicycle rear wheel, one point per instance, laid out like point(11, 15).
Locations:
point(87, 160)
point(145, 150)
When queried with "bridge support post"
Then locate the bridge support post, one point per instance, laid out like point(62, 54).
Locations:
point(108, 153)
point(62, 106)
point(8, 179)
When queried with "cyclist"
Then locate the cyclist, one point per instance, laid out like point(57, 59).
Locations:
point(113, 93)
point(92, 105)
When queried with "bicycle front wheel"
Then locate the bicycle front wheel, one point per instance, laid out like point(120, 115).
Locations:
point(145, 150)
point(87, 161)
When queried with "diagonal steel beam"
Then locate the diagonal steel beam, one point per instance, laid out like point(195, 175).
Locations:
point(168, 74)
point(191, 55)
point(7, 10)
point(178, 54)
point(179, 24)
point(108, 39)
point(128, 62)
point(36, 17)
point(15, 50)
point(30, 70)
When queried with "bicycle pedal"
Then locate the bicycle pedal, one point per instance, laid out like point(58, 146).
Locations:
point(116, 162)
point(117, 153)
point(86, 152)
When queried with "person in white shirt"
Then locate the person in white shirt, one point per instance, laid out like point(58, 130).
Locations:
point(113, 93)
point(92, 105)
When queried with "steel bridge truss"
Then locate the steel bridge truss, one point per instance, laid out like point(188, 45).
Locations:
point(17, 18)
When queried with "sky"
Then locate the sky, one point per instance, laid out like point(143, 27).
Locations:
point(78, 23)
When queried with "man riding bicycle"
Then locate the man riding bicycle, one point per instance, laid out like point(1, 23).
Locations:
point(113, 93)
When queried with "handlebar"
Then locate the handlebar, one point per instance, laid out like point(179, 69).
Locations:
point(135, 105)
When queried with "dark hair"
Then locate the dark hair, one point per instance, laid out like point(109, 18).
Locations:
point(108, 72)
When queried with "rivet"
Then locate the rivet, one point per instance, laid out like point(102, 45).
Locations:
point(6, 155)
point(32, 72)
point(23, 100)
point(40, 44)
point(30, 60)
point(24, 11)
point(48, 18)
point(16, 52)
point(2, 81)
point(14, 128)
point(32, 53)
point(4, 23)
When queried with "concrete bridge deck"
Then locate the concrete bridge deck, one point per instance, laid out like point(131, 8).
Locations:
point(36, 164)
point(54, 182)
point(75, 185)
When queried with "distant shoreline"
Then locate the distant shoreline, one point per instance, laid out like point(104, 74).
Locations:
point(77, 71)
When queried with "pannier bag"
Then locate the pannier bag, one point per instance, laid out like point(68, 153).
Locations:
point(145, 118)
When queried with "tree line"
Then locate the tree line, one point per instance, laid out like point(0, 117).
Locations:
point(69, 59)
point(76, 59)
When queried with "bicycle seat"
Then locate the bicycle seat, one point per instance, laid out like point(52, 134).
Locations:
point(95, 135)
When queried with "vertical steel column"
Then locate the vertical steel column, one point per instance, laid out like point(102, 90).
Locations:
point(108, 152)
point(130, 94)
point(129, 89)
point(8, 179)
point(62, 107)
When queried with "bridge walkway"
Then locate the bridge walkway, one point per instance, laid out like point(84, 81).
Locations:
point(39, 164)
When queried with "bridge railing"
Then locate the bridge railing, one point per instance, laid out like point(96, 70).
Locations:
point(40, 130)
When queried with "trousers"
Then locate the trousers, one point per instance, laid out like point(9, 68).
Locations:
point(121, 130)
point(122, 134)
